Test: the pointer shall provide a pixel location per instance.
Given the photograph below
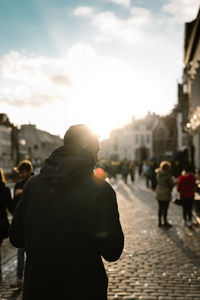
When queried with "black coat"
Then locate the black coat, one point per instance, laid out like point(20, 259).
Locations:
point(66, 220)
point(5, 203)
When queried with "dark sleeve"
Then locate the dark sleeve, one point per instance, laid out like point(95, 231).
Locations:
point(9, 200)
point(110, 237)
point(16, 199)
point(16, 231)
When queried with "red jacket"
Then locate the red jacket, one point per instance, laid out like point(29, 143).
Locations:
point(185, 185)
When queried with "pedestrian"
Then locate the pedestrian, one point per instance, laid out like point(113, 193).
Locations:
point(163, 191)
point(153, 176)
point(67, 220)
point(25, 171)
point(185, 187)
point(132, 171)
point(140, 168)
point(125, 170)
point(148, 173)
point(5, 204)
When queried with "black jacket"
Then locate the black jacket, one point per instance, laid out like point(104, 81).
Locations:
point(66, 220)
point(5, 203)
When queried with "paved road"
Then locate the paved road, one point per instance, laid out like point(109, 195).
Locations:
point(157, 263)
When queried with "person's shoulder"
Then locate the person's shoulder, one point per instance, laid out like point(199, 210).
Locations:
point(19, 184)
point(4, 188)
point(7, 189)
point(102, 184)
point(192, 176)
point(31, 181)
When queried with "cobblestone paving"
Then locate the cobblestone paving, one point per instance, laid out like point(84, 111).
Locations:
point(157, 263)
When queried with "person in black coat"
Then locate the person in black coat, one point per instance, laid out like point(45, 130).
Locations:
point(25, 171)
point(5, 203)
point(67, 220)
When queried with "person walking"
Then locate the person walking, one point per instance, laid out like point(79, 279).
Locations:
point(125, 170)
point(67, 220)
point(185, 187)
point(25, 171)
point(163, 191)
point(5, 204)
point(132, 171)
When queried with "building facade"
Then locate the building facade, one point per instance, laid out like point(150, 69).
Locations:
point(8, 148)
point(165, 138)
point(26, 142)
point(191, 81)
point(133, 142)
point(36, 144)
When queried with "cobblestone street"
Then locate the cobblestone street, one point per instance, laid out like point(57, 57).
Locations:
point(157, 263)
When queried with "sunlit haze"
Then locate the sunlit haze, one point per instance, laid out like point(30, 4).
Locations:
point(92, 62)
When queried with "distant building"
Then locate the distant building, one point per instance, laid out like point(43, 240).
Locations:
point(28, 142)
point(191, 81)
point(165, 138)
point(185, 146)
point(36, 144)
point(104, 149)
point(132, 142)
point(6, 161)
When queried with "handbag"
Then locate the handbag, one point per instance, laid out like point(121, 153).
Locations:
point(178, 201)
point(175, 197)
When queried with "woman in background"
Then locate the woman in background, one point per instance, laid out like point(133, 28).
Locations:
point(5, 203)
point(163, 191)
point(185, 187)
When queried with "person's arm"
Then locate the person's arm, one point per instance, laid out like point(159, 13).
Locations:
point(9, 204)
point(16, 231)
point(109, 235)
point(17, 194)
point(178, 186)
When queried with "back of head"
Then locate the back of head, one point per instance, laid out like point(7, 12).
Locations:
point(81, 136)
point(165, 165)
point(24, 165)
point(187, 170)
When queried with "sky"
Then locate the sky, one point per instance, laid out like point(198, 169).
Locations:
point(95, 62)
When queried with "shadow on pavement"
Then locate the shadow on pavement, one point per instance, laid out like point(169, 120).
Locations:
point(188, 251)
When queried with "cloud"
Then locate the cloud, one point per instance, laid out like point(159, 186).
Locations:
point(125, 3)
point(31, 99)
point(182, 10)
point(36, 70)
point(83, 11)
point(61, 79)
point(34, 81)
point(130, 30)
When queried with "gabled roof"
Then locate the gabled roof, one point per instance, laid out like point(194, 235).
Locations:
point(39, 136)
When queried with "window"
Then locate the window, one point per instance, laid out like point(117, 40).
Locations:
point(115, 147)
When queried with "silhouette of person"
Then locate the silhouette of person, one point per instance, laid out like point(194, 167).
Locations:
point(5, 203)
point(25, 171)
point(67, 220)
